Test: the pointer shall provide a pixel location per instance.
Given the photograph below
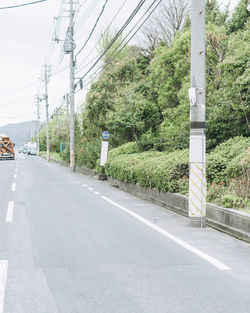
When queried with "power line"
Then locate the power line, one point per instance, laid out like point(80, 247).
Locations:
point(21, 5)
point(100, 69)
point(107, 29)
point(138, 7)
point(56, 31)
point(20, 88)
point(130, 33)
point(94, 27)
point(86, 14)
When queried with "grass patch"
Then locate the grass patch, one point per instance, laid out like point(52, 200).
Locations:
point(53, 155)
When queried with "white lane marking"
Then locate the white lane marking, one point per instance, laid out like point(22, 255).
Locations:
point(179, 241)
point(15, 176)
point(3, 279)
point(47, 164)
point(9, 216)
point(13, 187)
point(15, 169)
point(90, 189)
point(97, 193)
point(85, 185)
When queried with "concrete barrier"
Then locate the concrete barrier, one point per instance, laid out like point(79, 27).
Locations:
point(230, 221)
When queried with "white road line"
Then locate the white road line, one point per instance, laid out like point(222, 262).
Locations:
point(13, 187)
point(3, 279)
point(9, 216)
point(15, 169)
point(84, 185)
point(90, 189)
point(180, 242)
point(97, 193)
point(15, 176)
point(47, 164)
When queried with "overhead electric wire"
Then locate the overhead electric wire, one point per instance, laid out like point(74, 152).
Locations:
point(21, 5)
point(107, 29)
point(138, 7)
point(101, 68)
point(56, 31)
point(20, 88)
point(94, 27)
point(134, 28)
point(87, 13)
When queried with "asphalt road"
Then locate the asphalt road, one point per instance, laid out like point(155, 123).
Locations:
point(72, 244)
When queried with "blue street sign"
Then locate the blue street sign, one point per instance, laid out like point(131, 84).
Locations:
point(105, 135)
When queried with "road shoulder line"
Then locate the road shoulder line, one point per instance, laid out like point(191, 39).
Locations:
point(221, 266)
point(3, 279)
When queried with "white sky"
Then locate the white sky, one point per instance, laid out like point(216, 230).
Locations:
point(26, 34)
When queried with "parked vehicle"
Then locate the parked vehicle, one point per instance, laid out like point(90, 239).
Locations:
point(31, 148)
point(25, 149)
point(6, 148)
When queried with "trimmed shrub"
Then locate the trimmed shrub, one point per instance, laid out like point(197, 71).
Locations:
point(223, 163)
point(160, 170)
point(127, 148)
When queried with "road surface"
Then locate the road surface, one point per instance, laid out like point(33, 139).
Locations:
point(72, 244)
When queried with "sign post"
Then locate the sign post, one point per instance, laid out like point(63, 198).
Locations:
point(104, 154)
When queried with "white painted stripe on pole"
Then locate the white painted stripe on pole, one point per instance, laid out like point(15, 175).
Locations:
point(3, 279)
point(9, 216)
point(97, 193)
point(179, 241)
point(90, 189)
point(13, 187)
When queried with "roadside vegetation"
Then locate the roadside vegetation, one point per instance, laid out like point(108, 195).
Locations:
point(141, 98)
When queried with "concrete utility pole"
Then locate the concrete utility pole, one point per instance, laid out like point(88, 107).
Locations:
point(38, 123)
point(197, 94)
point(69, 47)
point(46, 76)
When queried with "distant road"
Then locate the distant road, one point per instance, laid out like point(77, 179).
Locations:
point(72, 244)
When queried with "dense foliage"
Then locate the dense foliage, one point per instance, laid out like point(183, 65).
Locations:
point(227, 163)
point(141, 98)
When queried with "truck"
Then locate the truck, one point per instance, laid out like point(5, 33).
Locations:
point(7, 148)
point(31, 148)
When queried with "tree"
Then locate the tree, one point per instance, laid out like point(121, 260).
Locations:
point(228, 108)
point(163, 25)
point(239, 17)
point(214, 15)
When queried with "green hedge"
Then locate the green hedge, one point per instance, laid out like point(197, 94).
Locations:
point(223, 163)
point(160, 170)
point(127, 148)
point(169, 171)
